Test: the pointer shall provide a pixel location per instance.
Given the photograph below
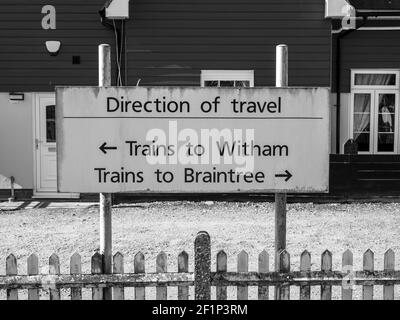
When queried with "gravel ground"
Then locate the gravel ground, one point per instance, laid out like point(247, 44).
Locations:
point(172, 226)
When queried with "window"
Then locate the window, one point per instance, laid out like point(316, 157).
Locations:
point(227, 78)
point(374, 107)
point(375, 79)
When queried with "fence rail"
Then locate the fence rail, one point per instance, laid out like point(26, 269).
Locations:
point(202, 278)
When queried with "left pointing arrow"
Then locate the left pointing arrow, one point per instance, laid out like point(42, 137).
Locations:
point(104, 148)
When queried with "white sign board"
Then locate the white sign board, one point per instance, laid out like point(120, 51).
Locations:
point(173, 139)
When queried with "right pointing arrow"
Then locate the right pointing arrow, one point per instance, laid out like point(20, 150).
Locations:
point(286, 175)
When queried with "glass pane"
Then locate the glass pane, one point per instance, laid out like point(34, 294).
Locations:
point(360, 124)
point(362, 140)
point(227, 83)
point(50, 123)
point(362, 102)
point(386, 122)
point(387, 103)
point(385, 142)
point(211, 83)
point(375, 79)
point(362, 121)
point(242, 84)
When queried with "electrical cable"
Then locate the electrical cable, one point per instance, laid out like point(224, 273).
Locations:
point(119, 79)
point(121, 48)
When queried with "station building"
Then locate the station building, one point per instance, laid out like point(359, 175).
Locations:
point(349, 46)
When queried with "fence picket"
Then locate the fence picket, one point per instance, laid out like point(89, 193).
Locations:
point(222, 266)
point(305, 266)
point(263, 267)
point(389, 261)
point(183, 266)
point(97, 267)
point(202, 266)
point(12, 270)
point(33, 269)
point(242, 266)
point(139, 265)
point(75, 267)
point(326, 266)
point(54, 268)
point(161, 267)
point(368, 265)
point(118, 268)
point(347, 265)
point(283, 291)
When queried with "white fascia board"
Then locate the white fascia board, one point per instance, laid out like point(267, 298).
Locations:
point(338, 9)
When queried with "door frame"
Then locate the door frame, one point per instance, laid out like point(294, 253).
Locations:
point(374, 90)
point(35, 134)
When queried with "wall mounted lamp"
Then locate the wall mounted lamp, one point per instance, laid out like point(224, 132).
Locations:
point(53, 47)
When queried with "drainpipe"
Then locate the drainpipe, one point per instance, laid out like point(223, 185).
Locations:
point(12, 192)
point(339, 38)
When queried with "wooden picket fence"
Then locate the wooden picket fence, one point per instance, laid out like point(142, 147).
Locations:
point(202, 278)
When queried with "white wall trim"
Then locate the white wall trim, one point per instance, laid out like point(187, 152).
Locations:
point(35, 118)
point(378, 28)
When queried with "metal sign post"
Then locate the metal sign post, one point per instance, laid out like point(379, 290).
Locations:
point(105, 198)
point(282, 74)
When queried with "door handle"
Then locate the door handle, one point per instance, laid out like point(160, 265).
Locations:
point(37, 141)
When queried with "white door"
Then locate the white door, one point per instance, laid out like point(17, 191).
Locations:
point(45, 144)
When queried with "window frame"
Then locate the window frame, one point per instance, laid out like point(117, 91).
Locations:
point(227, 75)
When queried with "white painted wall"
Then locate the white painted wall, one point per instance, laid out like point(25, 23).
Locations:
point(16, 141)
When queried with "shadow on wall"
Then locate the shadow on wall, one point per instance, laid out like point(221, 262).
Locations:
point(5, 183)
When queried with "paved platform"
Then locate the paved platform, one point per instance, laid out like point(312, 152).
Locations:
point(20, 205)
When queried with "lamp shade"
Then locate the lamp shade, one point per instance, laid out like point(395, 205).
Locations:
point(53, 47)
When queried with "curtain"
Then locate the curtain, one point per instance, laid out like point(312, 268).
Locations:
point(362, 107)
point(375, 79)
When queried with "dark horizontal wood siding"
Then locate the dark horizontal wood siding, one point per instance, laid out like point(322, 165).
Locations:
point(170, 41)
point(365, 175)
point(368, 49)
point(25, 64)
